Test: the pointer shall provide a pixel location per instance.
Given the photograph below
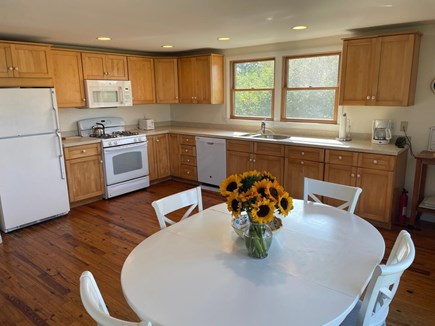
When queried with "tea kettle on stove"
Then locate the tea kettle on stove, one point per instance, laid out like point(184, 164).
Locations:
point(98, 130)
point(381, 131)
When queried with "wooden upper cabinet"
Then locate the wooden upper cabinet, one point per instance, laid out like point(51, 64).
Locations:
point(104, 66)
point(68, 78)
point(166, 80)
point(380, 70)
point(201, 79)
point(19, 60)
point(141, 74)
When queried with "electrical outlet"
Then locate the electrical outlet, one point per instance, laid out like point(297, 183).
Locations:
point(404, 126)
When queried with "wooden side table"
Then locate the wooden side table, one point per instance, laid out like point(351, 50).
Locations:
point(424, 159)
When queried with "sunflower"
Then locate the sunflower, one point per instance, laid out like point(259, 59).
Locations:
point(234, 204)
point(285, 203)
point(230, 185)
point(262, 188)
point(268, 176)
point(275, 191)
point(262, 212)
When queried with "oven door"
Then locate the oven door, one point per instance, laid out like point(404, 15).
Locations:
point(126, 162)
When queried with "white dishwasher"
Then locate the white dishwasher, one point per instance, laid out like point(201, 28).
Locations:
point(211, 160)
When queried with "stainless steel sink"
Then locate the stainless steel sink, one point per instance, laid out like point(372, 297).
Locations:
point(270, 136)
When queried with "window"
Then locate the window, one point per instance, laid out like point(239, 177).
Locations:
point(310, 93)
point(252, 91)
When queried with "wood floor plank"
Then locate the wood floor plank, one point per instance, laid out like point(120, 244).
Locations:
point(40, 265)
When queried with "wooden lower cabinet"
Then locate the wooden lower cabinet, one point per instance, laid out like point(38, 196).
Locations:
point(261, 156)
point(381, 177)
point(84, 170)
point(183, 156)
point(158, 156)
point(302, 162)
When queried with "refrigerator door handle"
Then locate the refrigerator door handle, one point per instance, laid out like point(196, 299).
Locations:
point(62, 171)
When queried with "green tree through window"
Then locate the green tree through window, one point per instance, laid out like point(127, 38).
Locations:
point(311, 88)
point(253, 89)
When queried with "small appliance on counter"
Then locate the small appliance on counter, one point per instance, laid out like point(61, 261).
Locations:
point(146, 124)
point(381, 132)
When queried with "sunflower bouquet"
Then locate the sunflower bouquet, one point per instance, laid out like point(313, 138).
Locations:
point(260, 196)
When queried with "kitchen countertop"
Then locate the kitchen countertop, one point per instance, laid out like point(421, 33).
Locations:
point(360, 145)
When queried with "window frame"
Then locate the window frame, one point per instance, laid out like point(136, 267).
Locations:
point(233, 90)
point(284, 90)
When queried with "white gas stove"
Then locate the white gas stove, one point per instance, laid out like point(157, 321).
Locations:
point(125, 155)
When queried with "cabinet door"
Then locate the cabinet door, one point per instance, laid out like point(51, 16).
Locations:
point(203, 86)
point(31, 61)
point(162, 155)
point(85, 178)
point(341, 174)
point(272, 164)
point(152, 161)
point(158, 156)
point(6, 67)
point(166, 80)
point(186, 80)
point(394, 66)
point(356, 71)
point(294, 172)
point(141, 74)
point(375, 200)
point(68, 78)
point(174, 155)
point(238, 162)
point(116, 67)
point(93, 66)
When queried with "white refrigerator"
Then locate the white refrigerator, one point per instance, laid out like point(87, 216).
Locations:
point(32, 172)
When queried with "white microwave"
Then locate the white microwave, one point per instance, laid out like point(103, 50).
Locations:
point(108, 93)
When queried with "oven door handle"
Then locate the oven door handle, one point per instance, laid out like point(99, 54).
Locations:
point(117, 148)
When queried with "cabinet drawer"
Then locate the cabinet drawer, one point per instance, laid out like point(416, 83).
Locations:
point(187, 140)
point(305, 153)
point(189, 160)
point(376, 161)
point(341, 157)
point(188, 150)
point(240, 146)
point(188, 172)
point(82, 151)
point(269, 149)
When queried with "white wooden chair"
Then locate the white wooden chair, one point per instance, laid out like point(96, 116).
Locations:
point(166, 205)
point(373, 310)
point(348, 194)
point(95, 305)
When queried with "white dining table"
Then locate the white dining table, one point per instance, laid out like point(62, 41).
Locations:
point(198, 272)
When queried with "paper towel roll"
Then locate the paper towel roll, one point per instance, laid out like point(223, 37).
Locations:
point(342, 127)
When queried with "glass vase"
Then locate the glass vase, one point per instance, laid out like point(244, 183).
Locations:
point(258, 238)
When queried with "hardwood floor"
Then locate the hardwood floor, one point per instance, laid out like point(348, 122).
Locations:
point(40, 265)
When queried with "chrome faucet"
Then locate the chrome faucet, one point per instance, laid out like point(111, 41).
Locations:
point(263, 127)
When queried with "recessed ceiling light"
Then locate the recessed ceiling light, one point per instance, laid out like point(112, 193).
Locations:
point(103, 38)
point(167, 46)
point(387, 6)
point(299, 28)
point(224, 38)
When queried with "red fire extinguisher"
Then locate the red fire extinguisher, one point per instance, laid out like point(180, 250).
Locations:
point(403, 203)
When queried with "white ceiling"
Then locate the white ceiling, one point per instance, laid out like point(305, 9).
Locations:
point(145, 25)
